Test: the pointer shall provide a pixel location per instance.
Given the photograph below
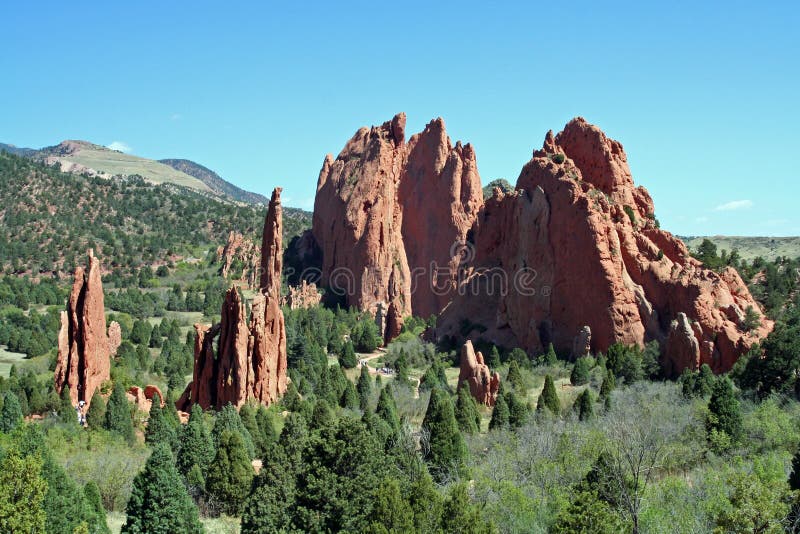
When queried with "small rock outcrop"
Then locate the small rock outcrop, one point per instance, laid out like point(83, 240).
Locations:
point(239, 258)
point(304, 295)
point(249, 361)
point(391, 219)
point(85, 347)
point(583, 343)
point(577, 244)
point(483, 384)
point(142, 399)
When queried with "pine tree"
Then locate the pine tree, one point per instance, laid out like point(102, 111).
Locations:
point(724, 413)
point(447, 450)
point(348, 358)
point(550, 357)
point(494, 358)
point(230, 473)
point(392, 513)
point(580, 371)
point(549, 398)
point(118, 413)
point(364, 388)
point(517, 410)
point(267, 429)
point(96, 416)
point(608, 385)
point(22, 492)
point(248, 415)
point(11, 415)
point(467, 416)
point(387, 409)
point(584, 405)
point(159, 501)
point(349, 397)
point(459, 515)
point(514, 378)
point(322, 416)
point(66, 411)
point(228, 419)
point(196, 446)
point(158, 428)
point(91, 493)
point(501, 414)
point(588, 513)
point(426, 503)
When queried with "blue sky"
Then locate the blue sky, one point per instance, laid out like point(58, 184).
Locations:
point(703, 97)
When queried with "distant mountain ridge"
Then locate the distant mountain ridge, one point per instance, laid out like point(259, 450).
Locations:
point(214, 180)
point(83, 157)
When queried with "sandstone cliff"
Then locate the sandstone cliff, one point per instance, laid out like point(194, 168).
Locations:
point(577, 245)
point(240, 257)
point(391, 218)
point(85, 347)
point(250, 359)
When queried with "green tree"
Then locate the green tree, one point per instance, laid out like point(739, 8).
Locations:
point(11, 415)
point(364, 387)
point(587, 513)
point(140, 333)
point(91, 493)
point(349, 399)
point(426, 503)
point(387, 409)
point(22, 492)
point(230, 473)
point(96, 416)
point(514, 378)
point(392, 513)
point(625, 361)
point(755, 506)
point(500, 414)
point(794, 476)
point(159, 429)
point(517, 410)
point(580, 371)
point(460, 515)
point(348, 357)
point(725, 416)
point(446, 450)
point(467, 416)
point(752, 319)
point(549, 398)
point(584, 405)
point(118, 413)
point(608, 385)
point(228, 419)
point(159, 501)
point(66, 411)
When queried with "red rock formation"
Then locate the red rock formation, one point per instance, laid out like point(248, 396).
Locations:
point(386, 211)
point(250, 362)
point(143, 398)
point(84, 347)
point(483, 384)
point(305, 295)
point(577, 244)
point(243, 251)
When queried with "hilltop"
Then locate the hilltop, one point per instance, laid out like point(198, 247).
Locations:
point(750, 248)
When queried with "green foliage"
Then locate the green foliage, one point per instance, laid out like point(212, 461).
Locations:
point(724, 415)
point(348, 358)
point(22, 492)
point(630, 214)
point(752, 319)
point(91, 493)
point(625, 361)
point(514, 378)
point(517, 410)
point(755, 505)
point(387, 409)
point(588, 513)
point(446, 450)
point(196, 446)
point(697, 383)
point(580, 371)
point(459, 515)
point(608, 385)
point(364, 387)
point(466, 411)
point(549, 398)
point(434, 377)
point(558, 158)
point(584, 405)
point(365, 335)
point(230, 473)
point(500, 414)
point(159, 501)
point(118, 414)
point(159, 428)
point(392, 513)
point(11, 414)
point(96, 416)
point(228, 419)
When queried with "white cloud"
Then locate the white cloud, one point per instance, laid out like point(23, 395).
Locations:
point(735, 205)
point(120, 146)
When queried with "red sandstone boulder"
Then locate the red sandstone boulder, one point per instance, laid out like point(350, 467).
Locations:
point(243, 251)
point(391, 219)
point(250, 359)
point(577, 245)
point(483, 384)
point(84, 347)
point(143, 398)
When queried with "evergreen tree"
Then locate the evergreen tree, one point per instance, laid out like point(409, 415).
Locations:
point(517, 410)
point(608, 385)
point(387, 409)
point(22, 492)
point(11, 415)
point(230, 473)
point(494, 358)
point(247, 413)
point(348, 358)
point(724, 413)
point(158, 428)
point(584, 405)
point(459, 515)
point(588, 513)
point(550, 358)
point(196, 446)
point(228, 419)
point(514, 378)
point(91, 493)
point(467, 416)
point(96, 416)
point(501, 414)
point(447, 450)
point(392, 513)
point(349, 398)
point(580, 371)
point(705, 381)
point(267, 429)
point(794, 476)
point(426, 503)
point(64, 502)
point(364, 388)
point(118, 413)
point(549, 398)
point(66, 411)
point(159, 501)
point(322, 416)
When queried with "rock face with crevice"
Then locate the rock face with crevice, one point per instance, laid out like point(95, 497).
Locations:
point(240, 258)
point(576, 245)
point(85, 347)
point(483, 384)
point(391, 219)
point(249, 361)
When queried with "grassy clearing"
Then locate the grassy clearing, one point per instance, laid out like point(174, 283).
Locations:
point(7, 359)
point(768, 248)
point(217, 525)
